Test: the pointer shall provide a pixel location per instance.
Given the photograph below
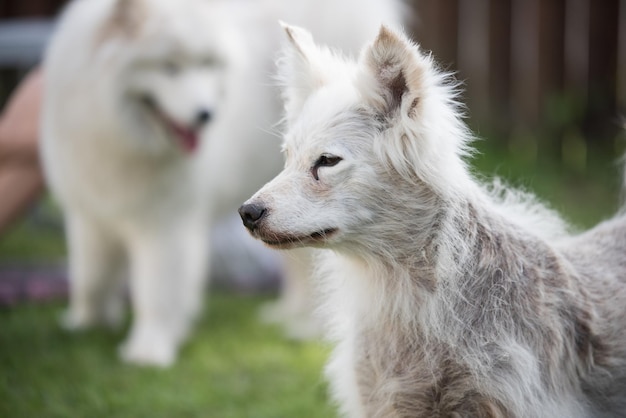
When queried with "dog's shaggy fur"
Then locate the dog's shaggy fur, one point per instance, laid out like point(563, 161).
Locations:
point(446, 298)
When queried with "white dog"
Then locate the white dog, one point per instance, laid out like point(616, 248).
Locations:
point(446, 299)
point(157, 121)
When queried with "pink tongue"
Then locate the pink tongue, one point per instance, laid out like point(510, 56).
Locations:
point(188, 138)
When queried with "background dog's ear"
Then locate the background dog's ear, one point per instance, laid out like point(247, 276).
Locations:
point(126, 18)
point(299, 69)
point(397, 68)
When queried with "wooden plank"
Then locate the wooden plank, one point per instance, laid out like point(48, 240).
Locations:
point(621, 59)
point(603, 36)
point(551, 44)
point(473, 55)
point(576, 47)
point(500, 65)
point(30, 8)
point(436, 29)
point(525, 94)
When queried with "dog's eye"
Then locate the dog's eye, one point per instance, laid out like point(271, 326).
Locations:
point(211, 62)
point(171, 68)
point(325, 160)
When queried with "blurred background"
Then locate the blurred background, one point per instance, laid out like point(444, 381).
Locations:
point(542, 77)
point(545, 87)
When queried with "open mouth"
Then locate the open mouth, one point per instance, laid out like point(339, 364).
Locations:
point(288, 241)
point(188, 137)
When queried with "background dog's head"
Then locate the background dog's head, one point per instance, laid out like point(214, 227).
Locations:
point(169, 62)
point(368, 144)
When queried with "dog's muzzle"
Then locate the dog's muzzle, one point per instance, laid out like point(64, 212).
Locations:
point(252, 214)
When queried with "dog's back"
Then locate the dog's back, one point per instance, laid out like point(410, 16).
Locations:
point(599, 259)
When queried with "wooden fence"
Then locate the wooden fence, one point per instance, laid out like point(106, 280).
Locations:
point(556, 66)
point(29, 8)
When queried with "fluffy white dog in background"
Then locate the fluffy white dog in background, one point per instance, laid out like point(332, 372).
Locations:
point(446, 298)
point(157, 121)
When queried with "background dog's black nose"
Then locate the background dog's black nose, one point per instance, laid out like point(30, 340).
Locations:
point(251, 214)
point(203, 117)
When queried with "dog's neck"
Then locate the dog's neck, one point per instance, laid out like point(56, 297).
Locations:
point(431, 260)
point(410, 239)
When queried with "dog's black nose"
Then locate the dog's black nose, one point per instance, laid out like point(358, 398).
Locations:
point(203, 117)
point(251, 214)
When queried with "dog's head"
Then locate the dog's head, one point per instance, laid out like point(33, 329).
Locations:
point(368, 144)
point(172, 61)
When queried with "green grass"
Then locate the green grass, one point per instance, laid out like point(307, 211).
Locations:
point(583, 196)
point(232, 367)
point(37, 237)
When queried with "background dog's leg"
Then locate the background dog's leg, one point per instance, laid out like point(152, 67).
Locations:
point(96, 294)
point(194, 269)
point(168, 267)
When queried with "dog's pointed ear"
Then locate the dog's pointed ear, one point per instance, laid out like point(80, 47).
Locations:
point(300, 39)
point(397, 69)
point(299, 72)
point(127, 17)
